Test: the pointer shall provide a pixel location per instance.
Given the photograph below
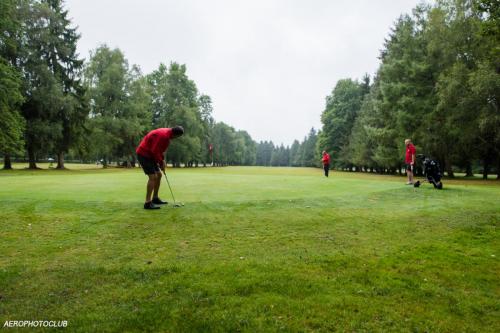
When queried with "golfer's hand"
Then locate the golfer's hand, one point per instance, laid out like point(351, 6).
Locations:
point(162, 165)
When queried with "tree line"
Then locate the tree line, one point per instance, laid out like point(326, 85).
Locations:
point(299, 154)
point(53, 103)
point(438, 83)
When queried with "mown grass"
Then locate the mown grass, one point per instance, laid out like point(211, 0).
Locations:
point(254, 249)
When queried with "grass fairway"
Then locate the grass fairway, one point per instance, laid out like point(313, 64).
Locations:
point(254, 249)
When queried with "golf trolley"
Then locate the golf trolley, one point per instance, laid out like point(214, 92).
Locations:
point(432, 172)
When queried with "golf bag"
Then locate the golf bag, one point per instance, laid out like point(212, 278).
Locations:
point(432, 172)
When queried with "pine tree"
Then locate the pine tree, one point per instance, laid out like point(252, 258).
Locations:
point(54, 106)
point(11, 122)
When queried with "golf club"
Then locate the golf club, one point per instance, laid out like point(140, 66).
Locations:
point(176, 204)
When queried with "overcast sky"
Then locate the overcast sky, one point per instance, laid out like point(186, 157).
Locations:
point(267, 64)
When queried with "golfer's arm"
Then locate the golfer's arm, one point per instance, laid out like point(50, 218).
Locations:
point(162, 165)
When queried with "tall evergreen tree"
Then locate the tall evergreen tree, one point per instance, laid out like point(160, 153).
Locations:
point(342, 108)
point(11, 121)
point(294, 150)
point(309, 156)
point(54, 106)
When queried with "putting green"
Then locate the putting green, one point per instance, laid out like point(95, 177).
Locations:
point(253, 249)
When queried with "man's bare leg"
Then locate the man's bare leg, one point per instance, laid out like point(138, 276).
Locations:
point(157, 185)
point(410, 176)
point(150, 186)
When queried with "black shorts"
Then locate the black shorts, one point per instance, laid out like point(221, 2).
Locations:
point(149, 165)
point(409, 167)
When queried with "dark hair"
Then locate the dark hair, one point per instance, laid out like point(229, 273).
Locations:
point(178, 130)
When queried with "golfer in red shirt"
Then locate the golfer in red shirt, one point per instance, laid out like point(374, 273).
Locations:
point(326, 162)
point(150, 155)
point(410, 160)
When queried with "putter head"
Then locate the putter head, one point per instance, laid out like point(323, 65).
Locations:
point(178, 204)
point(417, 184)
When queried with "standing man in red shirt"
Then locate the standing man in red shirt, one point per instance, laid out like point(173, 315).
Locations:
point(150, 155)
point(410, 160)
point(326, 162)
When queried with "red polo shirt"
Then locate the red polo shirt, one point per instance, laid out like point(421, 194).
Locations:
point(326, 159)
point(410, 150)
point(155, 143)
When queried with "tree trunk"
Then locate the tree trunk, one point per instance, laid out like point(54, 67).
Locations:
point(486, 168)
point(7, 164)
point(449, 169)
point(31, 159)
point(441, 165)
point(498, 169)
point(60, 160)
point(468, 170)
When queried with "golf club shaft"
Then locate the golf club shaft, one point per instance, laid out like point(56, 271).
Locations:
point(168, 183)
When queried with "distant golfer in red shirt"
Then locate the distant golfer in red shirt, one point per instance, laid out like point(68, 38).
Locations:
point(410, 160)
point(326, 162)
point(150, 155)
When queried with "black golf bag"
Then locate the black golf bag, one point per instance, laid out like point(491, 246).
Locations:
point(432, 172)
